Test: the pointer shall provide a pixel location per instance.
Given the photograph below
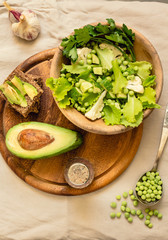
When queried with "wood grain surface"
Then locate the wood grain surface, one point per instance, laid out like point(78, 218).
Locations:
point(110, 155)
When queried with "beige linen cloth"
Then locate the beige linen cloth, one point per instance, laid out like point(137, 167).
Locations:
point(30, 214)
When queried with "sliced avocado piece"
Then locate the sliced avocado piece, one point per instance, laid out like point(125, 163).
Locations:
point(98, 70)
point(63, 140)
point(19, 84)
point(30, 90)
point(121, 95)
point(85, 86)
point(13, 95)
point(95, 59)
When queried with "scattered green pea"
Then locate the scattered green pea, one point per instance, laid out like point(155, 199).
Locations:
point(118, 215)
point(128, 209)
point(112, 215)
point(135, 203)
point(156, 212)
point(118, 197)
point(141, 216)
point(159, 216)
point(147, 222)
point(133, 212)
point(125, 194)
point(127, 215)
point(138, 212)
point(150, 213)
point(131, 93)
point(81, 62)
point(148, 217)
point(89, 61)
point(130, 219)
point(124, 203)
point(150, 225)
point(133, 197)
point(89, 56)
point(113, 205)
point(122, 208)
point(131, 192)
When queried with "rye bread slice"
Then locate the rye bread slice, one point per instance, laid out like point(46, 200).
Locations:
point(32, 105)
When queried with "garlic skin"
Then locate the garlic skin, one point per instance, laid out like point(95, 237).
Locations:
point(28, 27)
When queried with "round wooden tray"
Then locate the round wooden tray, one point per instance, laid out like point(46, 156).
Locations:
point(109, 155)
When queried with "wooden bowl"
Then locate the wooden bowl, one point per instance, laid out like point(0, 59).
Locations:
point(145, 51)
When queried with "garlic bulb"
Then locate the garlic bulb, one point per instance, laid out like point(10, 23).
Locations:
point(27, 25)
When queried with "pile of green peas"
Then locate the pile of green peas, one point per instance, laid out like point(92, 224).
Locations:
point(129, 213)
point(149, 188)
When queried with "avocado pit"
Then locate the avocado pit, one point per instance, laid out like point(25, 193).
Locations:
point(33, 139)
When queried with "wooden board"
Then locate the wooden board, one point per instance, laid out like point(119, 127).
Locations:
point(110, 155)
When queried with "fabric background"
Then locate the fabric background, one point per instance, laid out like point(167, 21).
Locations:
point(29, 214)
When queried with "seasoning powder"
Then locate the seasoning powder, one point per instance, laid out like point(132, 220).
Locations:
point(78, 173)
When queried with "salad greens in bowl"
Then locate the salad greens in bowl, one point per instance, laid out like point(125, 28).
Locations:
point(106, 78)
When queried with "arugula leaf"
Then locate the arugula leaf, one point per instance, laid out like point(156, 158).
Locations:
point(120, 81)
point(132, 108)
point(82, 36)
point(112, 114)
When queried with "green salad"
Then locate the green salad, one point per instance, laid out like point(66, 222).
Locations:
point(103, 78)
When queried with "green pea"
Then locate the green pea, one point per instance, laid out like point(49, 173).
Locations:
point(130, 77)
point(125, 63)
point(136, 68)
point(118, 215)
point(156, 212)
point(133, 212)
point(113, 205)
point(147, 195)
point(112, 215)
point(147, 210)
point(137, 189)
point(148, 199)
point(159, 215)
point(69, 79)
point(90, 90)
point(118, 197)
point(89, 56)
point(160, 182)
point(143, 197)
point(79, 108)
point(122, 208)
point(83, 109)
point(89, 68)
point(135, 203)
point(125, 74)
point(127, 215)
point(128, 210)
point(119, 61)
point(125, 194)
point(138, 212)
point(150, 213)
point(68, 75)
point(148, 217)
point(138, 184)
point(81, 62)
point(102, 114)
point(93, 51)
point(141, 187)
point(152, 195)
point(108, 78)
point(62, 75)
point(133, 197)
point(86, 104)
point(124, 203)
point(131, 93)
point(141, 216)
point(130, 219)
point(147, 222)
point(130, 192)
point(150, 225)
point(76, 105)
point(89, 61)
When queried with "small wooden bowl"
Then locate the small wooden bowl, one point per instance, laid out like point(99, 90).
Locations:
point(144, 51)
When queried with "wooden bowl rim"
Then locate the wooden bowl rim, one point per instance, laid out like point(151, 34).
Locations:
point(98, 126)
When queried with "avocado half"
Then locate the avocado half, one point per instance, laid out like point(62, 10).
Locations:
point(63, 140)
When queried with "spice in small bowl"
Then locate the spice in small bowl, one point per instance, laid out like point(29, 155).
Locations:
point(79, 173)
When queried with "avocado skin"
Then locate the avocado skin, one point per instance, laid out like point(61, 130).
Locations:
point(77, 142)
